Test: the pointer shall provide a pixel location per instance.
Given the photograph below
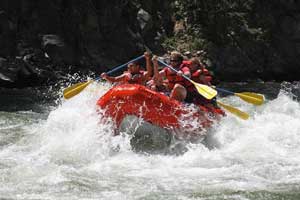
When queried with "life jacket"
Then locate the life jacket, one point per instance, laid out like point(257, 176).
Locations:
point(174, 79)
point(136, 78)
point(207, 76)
point(196, 77)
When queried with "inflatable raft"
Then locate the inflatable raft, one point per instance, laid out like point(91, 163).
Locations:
point(155, 108)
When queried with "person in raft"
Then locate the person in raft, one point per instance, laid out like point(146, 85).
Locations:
point(134, 74)
point(176, 83)
point(200, 75)
point(157, 83)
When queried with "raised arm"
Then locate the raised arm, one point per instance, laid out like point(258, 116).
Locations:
point(158, 75)
point(155, 67)
point(148, 73)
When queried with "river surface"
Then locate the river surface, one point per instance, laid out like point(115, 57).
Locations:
point(58, 149)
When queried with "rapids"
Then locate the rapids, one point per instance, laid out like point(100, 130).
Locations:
point(65, 151)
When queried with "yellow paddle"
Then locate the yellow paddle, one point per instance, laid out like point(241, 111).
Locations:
point(250, 97)
point(75, 89)
point(210, 93)
point(78, 87)
point(234, 111)
point(204, 90)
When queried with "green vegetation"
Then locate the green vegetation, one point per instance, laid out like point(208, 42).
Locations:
point(217, 23)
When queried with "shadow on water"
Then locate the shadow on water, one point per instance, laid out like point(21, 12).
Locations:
point(34, 99)
point(269, 89)
point(20, 108)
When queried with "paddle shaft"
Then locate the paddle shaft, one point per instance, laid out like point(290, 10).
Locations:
point(184, 76)
point(77, 88)
point(253, 98)
point(203, 90)
point(120, 67)
point(231, 109)
point(224, 91)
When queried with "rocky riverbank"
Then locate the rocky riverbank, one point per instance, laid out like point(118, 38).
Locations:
point(43, 41)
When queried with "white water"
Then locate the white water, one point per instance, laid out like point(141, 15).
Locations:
point(70, 155)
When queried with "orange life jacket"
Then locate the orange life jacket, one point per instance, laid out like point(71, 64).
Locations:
point(204, 72)
point(174, 79)
point(196, 77)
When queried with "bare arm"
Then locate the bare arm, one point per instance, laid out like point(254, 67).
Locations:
point(148, 73)
point(158, 75)
point(155, 67)
point(113, 79)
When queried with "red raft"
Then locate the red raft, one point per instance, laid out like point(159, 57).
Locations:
point(155, 108)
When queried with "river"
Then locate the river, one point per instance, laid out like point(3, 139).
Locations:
point(51, 148)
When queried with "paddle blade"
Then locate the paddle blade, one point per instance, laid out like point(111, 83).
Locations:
point(75, 89)
point(205, 90)
point(250, 97)
point(234, 111)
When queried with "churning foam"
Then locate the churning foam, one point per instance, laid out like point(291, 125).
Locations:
point(73, 154)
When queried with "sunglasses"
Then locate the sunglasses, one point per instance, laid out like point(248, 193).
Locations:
point(174, 60)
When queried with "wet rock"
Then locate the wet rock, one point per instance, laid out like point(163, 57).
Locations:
point(148, 138)
point(144, 19)
point(257, 39)
point(89, 35)
point(145, 136)
point(57, 50)
point(7, 36)
point(261, 42)
point(7, 74)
